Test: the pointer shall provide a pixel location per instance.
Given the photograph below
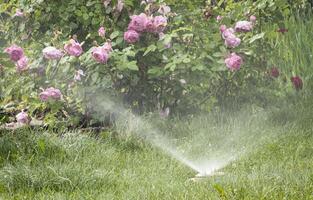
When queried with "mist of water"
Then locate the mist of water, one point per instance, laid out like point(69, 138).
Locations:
point(210, 144)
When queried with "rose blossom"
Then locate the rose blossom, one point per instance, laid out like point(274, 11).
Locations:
point(100, 54)
point(223, 28)
point(274, 72)
point(233, 62)
point(252, 18)
point(15, 52)
point(232, 41)
point(243, 26)
point(297, 82)
point(120, 5)
point(144, 2)
point(18, 13)
point(55, 94)
point(106, 3)
point(131, 36)
point(22, 118)
point(107, 46)
point(282, 30)
point(101, 31)
point(182, 81)
point(50, 93)
point(168, 45)
point(159, 23)
point(164, 112)
point(228, 32)
point(150, 26)
point(78, 74)
point(21, 64)
point(164, 9)
point(219, 18)
point(161, 36)
point(73, 48)
point(52, 53)
point(44, 96)
point(138, 22)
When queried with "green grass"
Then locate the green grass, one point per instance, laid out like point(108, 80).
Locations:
point(37, 165)
point(292, 51)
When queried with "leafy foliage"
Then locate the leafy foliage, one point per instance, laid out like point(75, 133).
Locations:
point(183, 69)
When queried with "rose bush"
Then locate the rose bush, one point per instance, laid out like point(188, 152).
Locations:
point(153, 55)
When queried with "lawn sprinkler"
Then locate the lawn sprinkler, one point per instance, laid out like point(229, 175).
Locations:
point(203, 176)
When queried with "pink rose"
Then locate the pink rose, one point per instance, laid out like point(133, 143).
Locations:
point(274, 72)
point(223, 28)
point(107, 46)
point(78, 74)
point(282, 30)
point(144, 2)
point(55, 94)
point(297, 82)
point(100, 54)
point(150, 26)
point(183, 81)
point(233, 62)
point(219, 18)
point(21, 64)
point(44, 96)
point(164, 9)
point(243, 26)
point(15, 52)
point(159, 23)
point(50, 93)
point(161, 36)
point(22, 118)
point(131, 36)
point(228, 32)
point(73, 48)
point(52, 53)
point(252, 18)
point(18, 13)
point(101, 31)
point(232, 41)
point(164, 112)
point(168, 45)
point(106, 3)
point(120, 5)
point(138, 22)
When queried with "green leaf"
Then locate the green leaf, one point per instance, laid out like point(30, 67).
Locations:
point(90, 3)
point(220, 3)
point(171, 66)
point(219, 67)
point(85, 16)
point(150, 48)
point(186, 60)
point(198, 67)
point(256, 37)
point(132, 66)
point(41, 145)
point(155, 71)
point(248, 53)
point(119, 40)
point(114, 34)
point(218, 54)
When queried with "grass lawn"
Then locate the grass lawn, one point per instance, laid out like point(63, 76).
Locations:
point(36, 165)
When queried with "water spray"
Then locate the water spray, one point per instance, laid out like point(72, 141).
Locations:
point(230, 137)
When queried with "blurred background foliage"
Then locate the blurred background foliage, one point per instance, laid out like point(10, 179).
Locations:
point(187, 78)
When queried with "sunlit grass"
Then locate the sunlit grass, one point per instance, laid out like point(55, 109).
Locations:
point(293, 50)
point(37, 165)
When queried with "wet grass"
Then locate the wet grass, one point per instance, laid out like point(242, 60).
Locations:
point(39, 165)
